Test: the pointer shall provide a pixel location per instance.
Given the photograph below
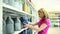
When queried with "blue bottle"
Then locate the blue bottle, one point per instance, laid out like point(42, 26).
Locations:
point(24, 21)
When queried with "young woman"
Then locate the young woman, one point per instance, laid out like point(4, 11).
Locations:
point(43, 24)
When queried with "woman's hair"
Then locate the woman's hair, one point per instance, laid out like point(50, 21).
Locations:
point(46, 16)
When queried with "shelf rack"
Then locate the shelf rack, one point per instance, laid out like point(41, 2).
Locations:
point(15, 10)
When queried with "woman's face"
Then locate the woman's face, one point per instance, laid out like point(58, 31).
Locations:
point(41, 15)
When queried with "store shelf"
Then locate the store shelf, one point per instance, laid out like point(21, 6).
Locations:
point(17, 32)
point(15, 10)
point(54, 17)
point(54, 20)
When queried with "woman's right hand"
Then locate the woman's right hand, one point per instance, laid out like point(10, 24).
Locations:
point(26, 25)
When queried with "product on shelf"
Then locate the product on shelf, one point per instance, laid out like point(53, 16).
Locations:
point(11, 2)
point(28, 9)
point(26, 32)
point(4, 27)
point(9, 25)
point(25, 21)
point(17, 24)
point(5, 1)
point(18, 4)
point(15, 3)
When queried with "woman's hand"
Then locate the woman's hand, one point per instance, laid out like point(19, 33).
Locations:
point(27, 26)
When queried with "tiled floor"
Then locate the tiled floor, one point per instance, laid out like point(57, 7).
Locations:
point(54, 30)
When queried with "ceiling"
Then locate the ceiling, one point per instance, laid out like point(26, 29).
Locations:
point(49, 5)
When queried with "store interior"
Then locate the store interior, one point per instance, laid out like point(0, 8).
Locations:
point(16, 13)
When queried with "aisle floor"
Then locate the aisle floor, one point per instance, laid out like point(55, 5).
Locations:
point(54, 30)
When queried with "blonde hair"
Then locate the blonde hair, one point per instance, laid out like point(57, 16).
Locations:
point(46, 16)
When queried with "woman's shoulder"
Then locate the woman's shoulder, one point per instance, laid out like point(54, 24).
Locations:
point(47, 20)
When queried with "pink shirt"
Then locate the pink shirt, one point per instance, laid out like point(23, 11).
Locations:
point(47, 22)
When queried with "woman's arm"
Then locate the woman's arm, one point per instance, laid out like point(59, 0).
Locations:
point(33, 23)
point(43, 26)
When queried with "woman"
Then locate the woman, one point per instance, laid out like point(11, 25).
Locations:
point(43, 24)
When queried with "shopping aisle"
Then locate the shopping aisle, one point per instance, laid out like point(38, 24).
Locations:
point(13, 10)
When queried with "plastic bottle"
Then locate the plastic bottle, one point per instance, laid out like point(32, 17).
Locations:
point(5, 1)
point(17, 24)
point(11, 2)
point(4, 27)
point(9, 25)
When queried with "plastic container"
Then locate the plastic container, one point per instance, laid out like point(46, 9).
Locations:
point(11, 2)
point(18, 4)
point(9, 25)
point(4, 27)
point(17, 24)
point(5, 1)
